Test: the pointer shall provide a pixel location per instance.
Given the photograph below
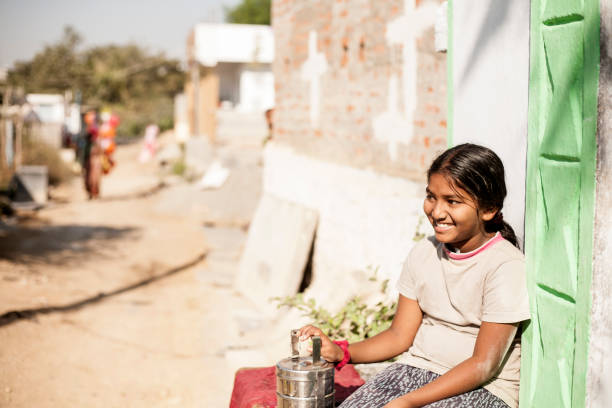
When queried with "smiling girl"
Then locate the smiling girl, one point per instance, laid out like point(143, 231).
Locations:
point(462, 298)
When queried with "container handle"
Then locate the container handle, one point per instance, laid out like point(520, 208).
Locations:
point(316, 349)
point(295, 353)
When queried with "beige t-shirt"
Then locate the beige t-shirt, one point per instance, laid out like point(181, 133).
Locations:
point(456, 293)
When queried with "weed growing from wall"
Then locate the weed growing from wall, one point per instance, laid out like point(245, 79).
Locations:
point(355, 321)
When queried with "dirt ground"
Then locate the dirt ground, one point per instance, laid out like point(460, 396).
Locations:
point(126, 301)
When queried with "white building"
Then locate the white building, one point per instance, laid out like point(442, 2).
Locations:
point(50, 112)
point(54, 117)
point(232, 63)
point(242, 55)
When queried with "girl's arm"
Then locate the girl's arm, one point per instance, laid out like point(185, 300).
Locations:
point(492, 344)
point(385, 345)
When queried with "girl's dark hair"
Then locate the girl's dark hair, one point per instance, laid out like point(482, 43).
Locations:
point(480, 172)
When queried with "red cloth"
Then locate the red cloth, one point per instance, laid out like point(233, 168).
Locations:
point(256, 387)
point(346, 382)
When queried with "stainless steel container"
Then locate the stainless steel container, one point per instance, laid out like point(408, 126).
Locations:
point(305, 382)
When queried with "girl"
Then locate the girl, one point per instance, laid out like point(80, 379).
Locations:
point(462, 298)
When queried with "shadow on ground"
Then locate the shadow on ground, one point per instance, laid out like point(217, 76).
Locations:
point(15, 315)
point(58, 244)
point(135, 196)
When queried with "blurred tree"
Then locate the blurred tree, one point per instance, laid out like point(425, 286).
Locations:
point(56, 67)
point(124, 74)
point(249, 12)
point(126, 78)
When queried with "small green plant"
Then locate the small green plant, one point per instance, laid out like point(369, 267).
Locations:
point(355, 321)
point(166, 123)
point(36, 152)
point(179, 168)
point(418, 234)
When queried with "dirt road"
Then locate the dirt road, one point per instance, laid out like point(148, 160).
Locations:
point(125, 301)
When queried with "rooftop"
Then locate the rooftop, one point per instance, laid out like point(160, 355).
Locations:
point(239, 43)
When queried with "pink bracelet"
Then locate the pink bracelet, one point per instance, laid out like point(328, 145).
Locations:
point(347, 356)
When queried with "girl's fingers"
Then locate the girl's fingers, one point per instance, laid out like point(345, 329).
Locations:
point(328, 351)
point(309, 331)
point(302, 332)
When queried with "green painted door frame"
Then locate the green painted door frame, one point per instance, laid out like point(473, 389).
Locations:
point(560, 189)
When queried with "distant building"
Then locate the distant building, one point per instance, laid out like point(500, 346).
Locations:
point(232, 65)
point(47, 117)
point(52, 118)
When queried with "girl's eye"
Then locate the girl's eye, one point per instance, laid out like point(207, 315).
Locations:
point(453, 202)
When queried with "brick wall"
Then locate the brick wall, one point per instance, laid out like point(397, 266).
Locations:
point(356, 87)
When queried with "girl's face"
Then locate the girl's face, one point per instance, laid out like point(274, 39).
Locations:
point(454, 215)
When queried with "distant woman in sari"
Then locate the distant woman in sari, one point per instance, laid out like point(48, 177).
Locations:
point(92, 158)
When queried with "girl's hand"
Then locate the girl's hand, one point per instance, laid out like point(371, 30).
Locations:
point(329, 350)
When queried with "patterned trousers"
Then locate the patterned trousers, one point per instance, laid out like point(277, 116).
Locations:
point(399, 379)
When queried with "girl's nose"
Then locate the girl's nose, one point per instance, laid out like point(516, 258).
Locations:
point(438, 211)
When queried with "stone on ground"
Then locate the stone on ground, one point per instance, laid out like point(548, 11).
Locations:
point(276, 252)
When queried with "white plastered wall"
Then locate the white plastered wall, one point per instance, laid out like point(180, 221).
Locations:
point(366, 220)
point(599, 371)
point(490, 71)
point(256, 89)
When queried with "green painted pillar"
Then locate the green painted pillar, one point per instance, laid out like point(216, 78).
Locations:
point(560, 199)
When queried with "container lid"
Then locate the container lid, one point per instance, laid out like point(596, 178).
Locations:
point(298, 364)
point(303, 364)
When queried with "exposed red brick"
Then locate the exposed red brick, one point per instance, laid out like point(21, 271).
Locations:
point(362, 49)
point(352, 36)
point(345, 59)
point(432, 108)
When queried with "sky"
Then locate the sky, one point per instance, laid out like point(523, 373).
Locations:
point(26, 26)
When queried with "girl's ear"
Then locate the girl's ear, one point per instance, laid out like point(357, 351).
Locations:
point(488, 215)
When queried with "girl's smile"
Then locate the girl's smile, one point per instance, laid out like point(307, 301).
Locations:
point(454, 215)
